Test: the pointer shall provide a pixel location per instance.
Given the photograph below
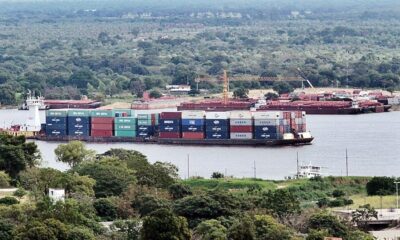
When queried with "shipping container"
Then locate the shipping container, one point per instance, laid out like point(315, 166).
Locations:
point(119, 133)
point(217, 122)
point(241, 115)
point(241, 122)
point(217, 115)
point(266, 129)
point(102, 113)
point(123, 113)
point(263, 135)
point(267, 115)
point(126, 127)
point(144, 134)
point(78, 113)
point(169, 128)
point(101, 126)
point(80, 120)
point(171, 115)
point(169, 135)
point(193, 135)
point(175, 122)
point(193, 114)
point(192, 128)
point(78, 126)
point(57, 113)
point(142, 128)
point(241, 129)
point(243, 135)
point(148, 116)
point(56, 126)
point(125, 120)
point(102, 120)
point(79, 132)
point(145, 122)
point(198, 122)
point(268, 122)
point(56, 132)
point(56, 120)
point(101, 133)
point(217, 135)
point(217, 128)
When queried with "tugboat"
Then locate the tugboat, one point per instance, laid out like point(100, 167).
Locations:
point(32, 99)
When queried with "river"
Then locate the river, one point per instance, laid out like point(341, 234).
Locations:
point(372, 140)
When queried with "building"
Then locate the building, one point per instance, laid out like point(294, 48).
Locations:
point(179, 89)
point(56, 194)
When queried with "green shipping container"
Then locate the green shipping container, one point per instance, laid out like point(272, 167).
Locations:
point(57, 113)
point(144, 122)
point(101, 113)
point(125, 120)
point(144, 116)
point(125, 133)
point(78, 113)
point(119, 112)
point(125, 127)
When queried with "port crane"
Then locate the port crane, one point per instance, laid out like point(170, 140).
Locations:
point(224, 78)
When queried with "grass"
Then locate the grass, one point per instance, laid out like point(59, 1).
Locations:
point(231, 184)
point(374, 201)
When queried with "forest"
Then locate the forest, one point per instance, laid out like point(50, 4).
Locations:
point(66, 49)
point(120, 195)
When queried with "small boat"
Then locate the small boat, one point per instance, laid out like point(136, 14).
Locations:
point(308, 171)
point(32, 99)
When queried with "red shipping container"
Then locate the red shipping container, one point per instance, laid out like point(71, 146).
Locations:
point(169, 135)
point(101, 126)
point(101, 133)
point(241, 128)
point(171, 115)
point(102, 120)
point(193, 135)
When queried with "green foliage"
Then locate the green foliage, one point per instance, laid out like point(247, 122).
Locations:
point(381, 186)
point(73, 153)
point(325, 221)
point(4, 180)
point(217, 175)
point(363, 214)
point(155, 94)
point(112, 175)
point(179, 190)
point(211, 230)
point(106, 208)
point(271, 96)
point(228, 184)
point(80, 234)
point(129, 229)
point(242, 229)
point(164, 225)
point(266, 227)
point(6, 230)
point(281, 203)
point(317, 234)
point(146, 204)
point(338, 193)
point(20, 193)
point(240, 93)
point(8, 201)
point(282, 87)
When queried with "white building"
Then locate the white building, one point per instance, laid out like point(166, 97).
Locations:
point(57, 194)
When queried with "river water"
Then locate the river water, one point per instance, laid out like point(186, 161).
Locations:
point(372, 140)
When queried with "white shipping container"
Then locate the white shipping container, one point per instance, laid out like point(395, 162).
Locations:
point(241, 122)
point(266, 122)
point(217, 115)
point(193, 114)
point(298, 120)
point(394, 101)
point(241, 135)
point(241, 115)
point(288, 136)
point(268, 115)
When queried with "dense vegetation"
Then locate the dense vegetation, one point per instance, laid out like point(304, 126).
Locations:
point(146, 201)
point(122, 48)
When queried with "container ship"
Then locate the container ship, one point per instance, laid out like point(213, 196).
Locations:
point(262, 128)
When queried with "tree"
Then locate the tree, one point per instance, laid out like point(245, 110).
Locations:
point(179, 190)
point(381, 186)
point(271, 96)
point(58, 228)
point(78, 233)
point(326, 221)
point(7, 96)
point(6, 230)
point(281, 203)
point(129, 229)
point(266, 227)
point(4, 180)
point(317, 234)
point(106, 209)
point(147, 204)
point(164, 225)
point(241, 93)
point(73, 153)
point(111, 175)
point(82, 78)
point(338, 193)
point(20, 193)
point(8, 201)
point(361, 215)
point(242, 229)
point(211, 230)
point(217, 175)
point(282, 87)
point(155, 94)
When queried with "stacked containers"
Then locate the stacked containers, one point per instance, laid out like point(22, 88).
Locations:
point(125, 127)
point(146, 124)
point(269, 125)
point(193, 124)
point(102, 123)
point(298, 121)
point(217, 125)
point(56, 122)
point(123, 113)
point(170, 125)
point(78, 122)
point(241, 125)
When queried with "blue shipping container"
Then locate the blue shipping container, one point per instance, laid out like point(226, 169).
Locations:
point(78, 132)
point(56, 126)
point(56, 120)
point(266, 129)
point(149, 129)
point(264, 135)
point(198, 122)
point(192, 128)
point(144, 134)
point(217, 135)
point(217, 128)
point(217, 122)
point(80, 120)
point(56, 132)
point(175, 122)
point(169, 128)
point(78, 126)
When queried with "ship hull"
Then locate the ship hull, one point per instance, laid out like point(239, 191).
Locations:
point(315, 110)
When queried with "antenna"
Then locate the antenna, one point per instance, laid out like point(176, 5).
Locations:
point(298, 170)
point(255, 169)
point(188, 165)
point(347, 164)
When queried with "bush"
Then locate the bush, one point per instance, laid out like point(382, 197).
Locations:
point(338, 193)
point(381, 186)
point(179, 190)
point(106, 209)
point(155, 94)
point(9, 201)
point(216, 175)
